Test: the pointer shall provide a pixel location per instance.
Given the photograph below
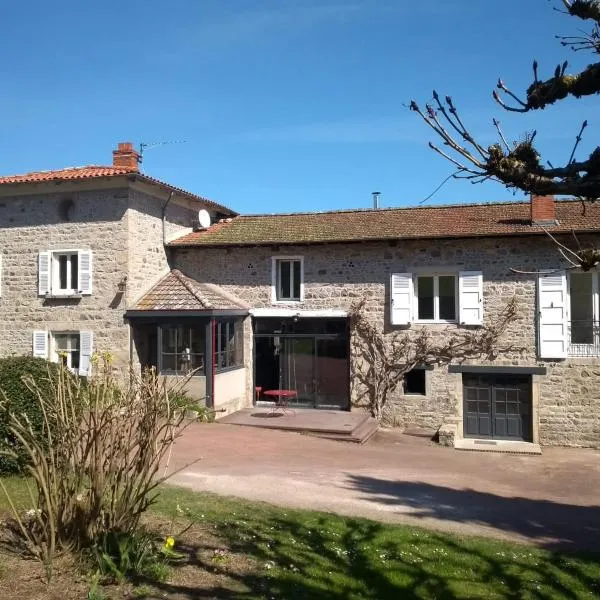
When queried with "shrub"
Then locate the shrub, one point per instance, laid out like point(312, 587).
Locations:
point(95, 470)
point(21, 379)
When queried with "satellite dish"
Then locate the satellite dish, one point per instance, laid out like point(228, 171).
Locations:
point(203, 219)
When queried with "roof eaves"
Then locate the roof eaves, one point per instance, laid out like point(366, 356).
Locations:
point(182, 192)
point(96, 172)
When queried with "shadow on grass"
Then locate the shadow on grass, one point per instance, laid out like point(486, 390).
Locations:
point(324, 557)
point(551, 525)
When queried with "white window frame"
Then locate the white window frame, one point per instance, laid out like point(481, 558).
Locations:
point(593, 349)
point(275, 280)
point(55, 352)
point(53, 274)
point(44, 346)
point(436, 298)
point(55, 288)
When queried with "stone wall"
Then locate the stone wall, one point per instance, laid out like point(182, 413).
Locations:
point(88, 220)
point(123, 228)
point(337, 275)
point(569, 411)
point(147, 256)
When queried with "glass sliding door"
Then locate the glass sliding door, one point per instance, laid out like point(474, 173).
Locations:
point(332, 373)
point(298, 369)
point(305, 356)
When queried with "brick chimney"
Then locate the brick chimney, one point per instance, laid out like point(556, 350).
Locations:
point(542, 210)
point(126, 156)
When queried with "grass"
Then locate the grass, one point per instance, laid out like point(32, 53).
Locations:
point(18, 489)
point(303, 554)
point(238, 549)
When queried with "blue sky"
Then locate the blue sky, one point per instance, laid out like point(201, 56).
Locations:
point(286, 105)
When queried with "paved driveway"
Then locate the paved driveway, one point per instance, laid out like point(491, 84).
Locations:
point(551, 500)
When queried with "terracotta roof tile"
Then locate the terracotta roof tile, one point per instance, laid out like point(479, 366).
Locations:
point(176, 291)
point(96, 171)
point(88, 172)
point(458, 221)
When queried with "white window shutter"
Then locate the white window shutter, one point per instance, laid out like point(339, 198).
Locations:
point(44, 273)
point(85, 271)
point(40, 344)
point(470, 297)
point(401, 297)
point(552, 311)
point(86, 343)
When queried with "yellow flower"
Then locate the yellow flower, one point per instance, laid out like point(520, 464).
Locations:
point(169, 542)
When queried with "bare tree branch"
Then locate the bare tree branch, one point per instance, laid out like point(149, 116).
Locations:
point(519, 165)
point(500, 133)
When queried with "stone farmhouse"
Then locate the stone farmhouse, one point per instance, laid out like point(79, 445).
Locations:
point(106, 258)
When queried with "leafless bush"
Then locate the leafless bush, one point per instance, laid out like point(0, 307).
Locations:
point(95, 467)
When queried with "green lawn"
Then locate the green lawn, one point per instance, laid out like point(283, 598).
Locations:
point(18, 489)
point(314, 555)
point(253, 550)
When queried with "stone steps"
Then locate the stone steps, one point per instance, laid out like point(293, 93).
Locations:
point(361, 434)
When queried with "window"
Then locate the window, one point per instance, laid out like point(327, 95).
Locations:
point(287, 279)
point(414, 382)
point(584, 314)
point(182, 350)
point(229, 344)
point(65, 276)
point(66, 349)
point(436, 297)
point(65, 272)
point(72, 348)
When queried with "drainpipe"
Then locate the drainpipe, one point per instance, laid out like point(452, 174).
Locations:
point(130, 343)
point(164, 218)
point(213, 326)
point(210, 345)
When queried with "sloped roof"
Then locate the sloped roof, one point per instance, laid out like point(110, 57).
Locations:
point(177, 292)
point(88, 172)
point(456, 221)
point(97, 171)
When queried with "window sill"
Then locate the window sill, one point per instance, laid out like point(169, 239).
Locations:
point(287, 302)
point(68, 296)
point(433, 322)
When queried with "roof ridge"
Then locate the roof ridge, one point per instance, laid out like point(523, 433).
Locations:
point(401, 208)
point(186, 282)
point(74, 168)
point(217, 289)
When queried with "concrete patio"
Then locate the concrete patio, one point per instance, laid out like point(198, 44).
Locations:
point(332, 424)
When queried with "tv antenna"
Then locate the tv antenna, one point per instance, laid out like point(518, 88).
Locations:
point(147, 146)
